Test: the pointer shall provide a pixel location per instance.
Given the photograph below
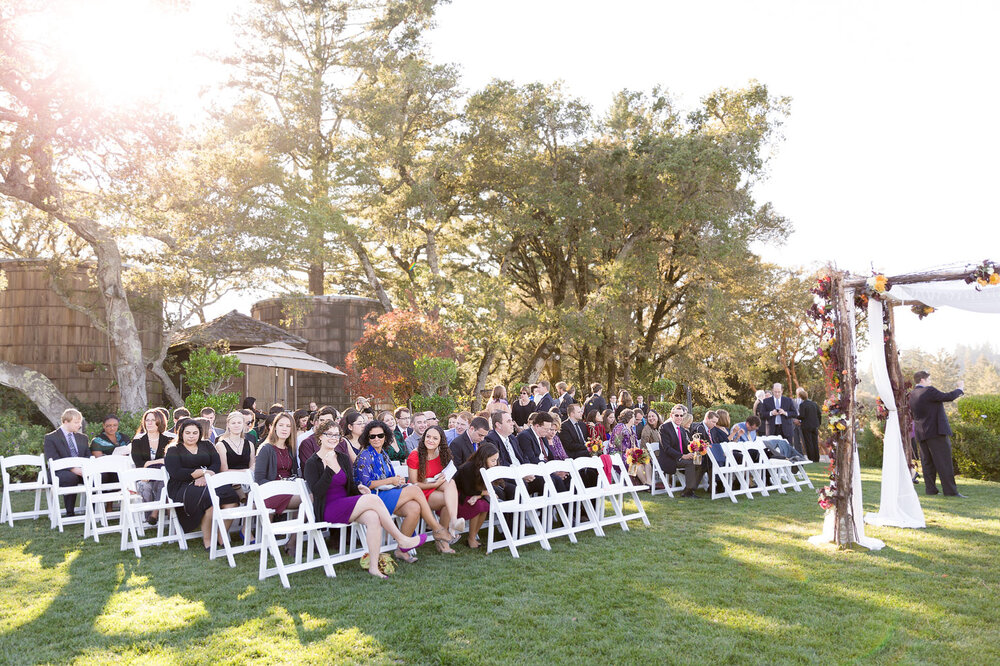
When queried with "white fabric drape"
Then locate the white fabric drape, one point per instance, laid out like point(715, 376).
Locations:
point(899, 506)
point(953, 294)
point(856, 502)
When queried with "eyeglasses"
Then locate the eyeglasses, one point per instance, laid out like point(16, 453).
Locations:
point(330, 434)
point(380, 435)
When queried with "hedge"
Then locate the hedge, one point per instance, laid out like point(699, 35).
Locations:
point(980, 409)
point(975, 451)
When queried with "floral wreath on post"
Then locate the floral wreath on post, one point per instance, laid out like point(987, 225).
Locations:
point(986, 273)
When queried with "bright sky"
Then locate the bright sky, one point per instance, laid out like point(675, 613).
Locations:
point(888, 155)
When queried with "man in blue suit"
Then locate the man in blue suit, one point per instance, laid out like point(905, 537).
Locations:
point(933, 432)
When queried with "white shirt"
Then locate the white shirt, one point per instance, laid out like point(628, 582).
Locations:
point(514, 462)
point(302, 436)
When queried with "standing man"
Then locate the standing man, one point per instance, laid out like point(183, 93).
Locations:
point(811, 417)
point(780, 411)
point(67, 441)
point(543, 399)
point(565, 398)
point(595, 402)
point(933, 432)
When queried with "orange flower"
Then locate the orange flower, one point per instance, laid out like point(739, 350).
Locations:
point(995, 278)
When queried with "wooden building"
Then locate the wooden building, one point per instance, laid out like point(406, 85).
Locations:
point(39, 330)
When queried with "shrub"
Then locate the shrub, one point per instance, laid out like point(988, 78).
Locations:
point(442, 405)
point(737, 413)
point(975, 451)
point(435, 374)
point(980, 410)
point(206, 370)
point(870, 447)
point(19, 438)
point(662, 408)
point(222, 403)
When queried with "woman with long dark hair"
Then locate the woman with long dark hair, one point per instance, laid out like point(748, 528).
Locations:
point(374, 469)
point(426, 468)
point(473, 497)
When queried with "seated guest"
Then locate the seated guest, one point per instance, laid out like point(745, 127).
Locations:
point(651, 431)
point(523, 408)
point(109, 439)
point(623, 433)
point(687, 421)
point(746, 431)
point(402, 429)
point(463, 446)
point(558, 451)
point(595, 429)
point(704, 428)
point(305, 421)
point(249, 430)
point(354, 425)
point(473, 497)
point(67, 441)
point(674, 454)
point(190, 462)
point(373, 469)
point(213, 432)
point(275, 460)
point(310, 445)
point(501, 436)
point(572, 433)
point(533, 448)
point(148, 449)
point(179, 415)
point(608, 422)
point(338, 499)
point(462, 420)
point(395, 448)
point(235, 449)
point(426, 470)
point(419, 426)
point(363, 405)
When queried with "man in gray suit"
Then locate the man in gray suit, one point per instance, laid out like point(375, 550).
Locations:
point(67, 441)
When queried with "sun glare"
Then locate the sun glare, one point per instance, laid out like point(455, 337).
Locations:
point(135, 51)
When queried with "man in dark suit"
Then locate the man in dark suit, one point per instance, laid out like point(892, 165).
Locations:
point(67, 441)
point(779, 411)
point(534, 448)
point(811, 417)
point(501, 437)
point(640, 406)
point(595, 402)
point(543, 399)
point(573, 436)
point(464, 445)
point(565, 399)
point(933, 432)
point(673, 453)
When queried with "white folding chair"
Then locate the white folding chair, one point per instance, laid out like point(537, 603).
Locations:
point(559, 501)
point(769, 474)
point(57, 491)
point(623, 483)
point(245, 515)
point(301, 523)
point(134, 511)
point(40, 486)
point(520, 509)
point(727, 472)
point(596, 496)
point(671, 484)
point(794, 472)
point(101, 493)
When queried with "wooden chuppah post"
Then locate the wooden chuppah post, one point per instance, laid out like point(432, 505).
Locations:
point(898, 381)
point(843, 304)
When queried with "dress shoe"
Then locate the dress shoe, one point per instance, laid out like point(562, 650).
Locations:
point(933, 493)
point(957, 495)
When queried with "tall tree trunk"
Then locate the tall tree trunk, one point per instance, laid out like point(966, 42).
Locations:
point(366, 264)
point(481, 377)
point(39, 389)
point(130, 369)
point(316, 276)
point(537, 362)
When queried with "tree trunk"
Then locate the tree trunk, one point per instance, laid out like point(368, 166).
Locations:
point(481, 377)
point(316, 275)
point(844, 533)
point(130, 369)
point(39, 389)
point(366, 264)
point(169, 390)
point(537, 362)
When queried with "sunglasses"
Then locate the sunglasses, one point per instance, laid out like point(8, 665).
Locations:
point(380, 435)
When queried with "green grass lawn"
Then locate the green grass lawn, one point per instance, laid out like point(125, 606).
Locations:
point(706, 583)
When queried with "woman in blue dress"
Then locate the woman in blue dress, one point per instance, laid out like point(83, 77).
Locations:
point(374, 470)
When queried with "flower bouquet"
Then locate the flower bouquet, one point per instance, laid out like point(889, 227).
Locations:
point(595, 446)
point(987, 273)
point(698, 447)
point(636, 457)
point(385, 564)
point(827, 497)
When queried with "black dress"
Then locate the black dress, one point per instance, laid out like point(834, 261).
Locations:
point(238, 461)
point(520, 413)
point(180, 464)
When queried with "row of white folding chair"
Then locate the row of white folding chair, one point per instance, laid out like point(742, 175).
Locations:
point(135, 508)
point(796, 468)
point(729, 474)
point(40, 487)
point(538, 512)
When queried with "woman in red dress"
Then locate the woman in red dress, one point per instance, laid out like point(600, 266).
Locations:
point(426, 464)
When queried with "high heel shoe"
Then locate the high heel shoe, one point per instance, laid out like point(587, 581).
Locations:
point(423, 540)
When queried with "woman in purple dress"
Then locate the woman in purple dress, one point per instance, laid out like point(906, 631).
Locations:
point(338, 499)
